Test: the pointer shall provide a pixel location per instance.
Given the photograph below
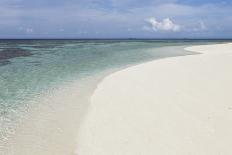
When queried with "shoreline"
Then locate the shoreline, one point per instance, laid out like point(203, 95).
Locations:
point(50, 127)
point(166, 106)
point(64, 130)
point(47, 114)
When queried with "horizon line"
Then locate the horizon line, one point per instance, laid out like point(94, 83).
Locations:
point(115, 38)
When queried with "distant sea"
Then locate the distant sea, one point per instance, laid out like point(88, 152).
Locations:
point(29, 68)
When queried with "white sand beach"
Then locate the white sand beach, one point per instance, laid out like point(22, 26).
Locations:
point(172, 106)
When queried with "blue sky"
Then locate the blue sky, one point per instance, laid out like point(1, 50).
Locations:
point(115, 18)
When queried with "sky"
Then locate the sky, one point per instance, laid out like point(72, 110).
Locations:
point(115, 19)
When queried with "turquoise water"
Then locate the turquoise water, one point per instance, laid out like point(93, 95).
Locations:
point(29, 68)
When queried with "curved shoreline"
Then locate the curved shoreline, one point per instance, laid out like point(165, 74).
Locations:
point(49, 127)
point(167, 106)
point(59, 120)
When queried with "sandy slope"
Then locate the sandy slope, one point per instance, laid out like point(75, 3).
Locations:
point(172, 106)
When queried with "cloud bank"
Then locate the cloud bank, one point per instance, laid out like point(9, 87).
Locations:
point(165, 25)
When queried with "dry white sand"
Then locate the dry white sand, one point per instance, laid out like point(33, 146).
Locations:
point(172, 106)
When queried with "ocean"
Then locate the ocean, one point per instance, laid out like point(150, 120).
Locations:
point(34, 72)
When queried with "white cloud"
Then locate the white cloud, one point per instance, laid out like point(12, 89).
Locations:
point(165, 25)
point(29, 30)
point(26, 30)
point(200, 27)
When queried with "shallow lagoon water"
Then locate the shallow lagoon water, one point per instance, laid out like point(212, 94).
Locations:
point(33, 68)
